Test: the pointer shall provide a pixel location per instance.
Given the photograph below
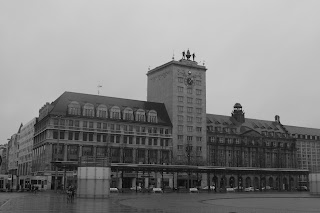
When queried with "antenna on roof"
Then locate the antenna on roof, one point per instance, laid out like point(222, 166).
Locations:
point(99, 86)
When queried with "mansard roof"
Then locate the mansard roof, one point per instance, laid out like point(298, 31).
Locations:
point(60, 104)
point(255, 124)
point(303, 130)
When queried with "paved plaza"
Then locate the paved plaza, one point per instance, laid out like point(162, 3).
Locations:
point(167, 202)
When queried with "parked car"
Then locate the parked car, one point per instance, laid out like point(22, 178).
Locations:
point(266, 188)
point(114, 190)
point(211, 188)
point(193, 190)
point(249, 189)
point(238, 188)
point(229, 189)
point(157, 190)
point(302, 188)
point(136, 188)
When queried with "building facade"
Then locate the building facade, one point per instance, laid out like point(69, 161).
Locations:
point(171, 127)
point(308, 147)
point(181, 86)
point(25, 152)
point(88, 126)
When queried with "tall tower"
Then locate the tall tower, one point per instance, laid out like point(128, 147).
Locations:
point(181, 86)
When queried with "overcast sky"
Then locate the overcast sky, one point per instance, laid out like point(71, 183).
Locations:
point(262, 54)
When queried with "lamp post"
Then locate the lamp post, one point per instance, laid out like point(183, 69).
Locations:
point(56, 157)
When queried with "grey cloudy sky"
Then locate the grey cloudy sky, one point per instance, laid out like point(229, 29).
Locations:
point(262, 54)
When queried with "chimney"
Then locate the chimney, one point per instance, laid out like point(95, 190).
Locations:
point(277, 118)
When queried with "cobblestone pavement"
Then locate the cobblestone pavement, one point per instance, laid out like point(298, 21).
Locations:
point(167, 202)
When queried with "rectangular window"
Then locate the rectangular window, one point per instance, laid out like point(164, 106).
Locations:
point(62, 134)
point(198, 91)
point(104, 126)
point(189, 138)
point(199, 148)
point(198, 82)
point(90, 137)
point(189, 109)
point(180, 118)
point(180, 108)
point(77, 123)
point(143, 141)
point(70, 122)
point(180, 98)
point(180, 147)
point(150, 141)
point(155, 142)
point(130, 140)
point(98, 125)
point(199, 119)
point(199, 139)
point(189, 100)
point(98, 138)
point(70, 136)
point(112, 126)
point(189, 128)
point(180, 137)
point(199, 129)
point(91, 125)
point(117, 126)
point(85, 137)
point(76, 136)
point(189, 119)
point(199, 110)
point(212, 139)
point(104, 138)
point(180, 128)
point(189, 90)
point(161, 131)
point(138, 140)
point(85, 124)
point(198, 101)
point(180, 89)
point(55, 134)
point(180, 79)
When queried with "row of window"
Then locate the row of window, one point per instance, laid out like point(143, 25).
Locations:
point(309, 137)
point(189, 128)
point(237, 141)
point(190, 100)
point(189, 148)
point(190, 90)
point(102, 111)
point(100, 125)
point(189, 138)
point(189, 109)
point(113, 138)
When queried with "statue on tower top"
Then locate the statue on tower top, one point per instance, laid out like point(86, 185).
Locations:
point(188, 55)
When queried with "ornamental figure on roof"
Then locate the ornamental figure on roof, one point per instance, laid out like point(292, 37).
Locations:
point(188, 55)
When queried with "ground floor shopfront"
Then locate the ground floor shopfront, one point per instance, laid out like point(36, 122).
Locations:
point(182, 176)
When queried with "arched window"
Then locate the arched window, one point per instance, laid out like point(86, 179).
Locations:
point(141, 115)
point(152, 116)
point(115, 112)
point(127, 114)
point(88, 110)
point(102, 111)
point(74, 108)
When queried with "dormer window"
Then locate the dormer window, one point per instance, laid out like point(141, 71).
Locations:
point(102, 111)
point(141, 115)
point(88, 110)
point(115, 112)
point(128, 114)
point(152, 116)
point(74, 108)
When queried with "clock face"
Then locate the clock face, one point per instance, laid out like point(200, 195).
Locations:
point(189, 81)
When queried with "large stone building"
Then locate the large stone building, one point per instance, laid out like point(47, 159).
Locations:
point(308, 147)
point(25, 143)
point(80, 125)
point(171, 127)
